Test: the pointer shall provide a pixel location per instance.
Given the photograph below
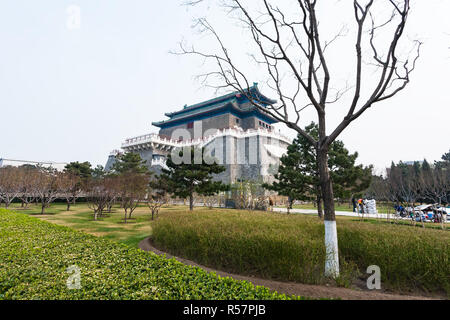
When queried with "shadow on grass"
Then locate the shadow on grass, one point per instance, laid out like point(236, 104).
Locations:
point(46, 213)
point(129, 220)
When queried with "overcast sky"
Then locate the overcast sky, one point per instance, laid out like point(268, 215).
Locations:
point(74, 94)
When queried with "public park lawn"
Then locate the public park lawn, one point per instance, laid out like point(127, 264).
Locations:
point(277, 246)
point(110, 226)
point(401, 223)
point(291, 247)
point(37, 260)
point(381, 207)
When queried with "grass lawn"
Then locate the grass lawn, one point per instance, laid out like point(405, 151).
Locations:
point(402, 223)
point(277, 246)
point(110, 226)
point(381, 207)
point(35, 257)
point(291, 247)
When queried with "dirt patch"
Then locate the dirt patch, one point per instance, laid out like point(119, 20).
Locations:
point(294, 288)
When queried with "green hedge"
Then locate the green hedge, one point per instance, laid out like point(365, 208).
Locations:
point(291, 247)
point(34, 257)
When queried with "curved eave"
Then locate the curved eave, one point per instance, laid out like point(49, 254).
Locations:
point(258, 95)
point(228, 106)
point(262, 97)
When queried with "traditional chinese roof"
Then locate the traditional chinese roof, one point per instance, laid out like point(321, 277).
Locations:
point(235, 103)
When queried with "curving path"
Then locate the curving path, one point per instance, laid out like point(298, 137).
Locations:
point(294, 288)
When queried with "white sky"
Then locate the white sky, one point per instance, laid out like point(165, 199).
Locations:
point(74, 95)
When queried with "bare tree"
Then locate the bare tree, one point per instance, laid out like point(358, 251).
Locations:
point(290, 45)
point(157, 195)
point(28, 178)
point(133, 188)
point(70, 187)
point(435, 185)
point(98, 195)
point(47, 187)
point(406, 185)
point(211, 201)
point(112, 191)
point(9, 184)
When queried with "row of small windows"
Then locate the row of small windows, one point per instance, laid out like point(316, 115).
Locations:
point(190, 125)
point(265, 125)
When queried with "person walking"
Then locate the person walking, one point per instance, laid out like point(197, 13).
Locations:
point(354, 205)
point(360, 206)
point(270, 204)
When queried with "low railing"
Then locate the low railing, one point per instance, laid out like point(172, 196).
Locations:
point(237, 132)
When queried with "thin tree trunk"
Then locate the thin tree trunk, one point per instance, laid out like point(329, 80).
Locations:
point(289, 205)
point(319, 206)
point(331, 241)
point(191, 202)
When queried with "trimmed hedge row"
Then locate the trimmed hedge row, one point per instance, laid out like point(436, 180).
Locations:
point(35, 255)
point(291, 247)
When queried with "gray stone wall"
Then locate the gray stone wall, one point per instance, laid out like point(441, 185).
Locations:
point(218, 122)
point(245, 158)
point(110, 162)
point(147, 156)
point(249, 123)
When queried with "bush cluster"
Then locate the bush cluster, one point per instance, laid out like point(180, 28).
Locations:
point(35, 255)
point(291, 247)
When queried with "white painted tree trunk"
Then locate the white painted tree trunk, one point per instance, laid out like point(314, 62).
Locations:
point(332, 254)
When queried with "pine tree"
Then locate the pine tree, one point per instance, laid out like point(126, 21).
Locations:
point(298, 174)
point(130, 162)
point(193, 176)
point(80, 169)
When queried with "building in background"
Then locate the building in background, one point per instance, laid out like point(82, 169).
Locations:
point(46, 164)
point(239, 134)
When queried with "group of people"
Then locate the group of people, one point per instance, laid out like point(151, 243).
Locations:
point(359, 206)
point(432, 214)
point(400, 210)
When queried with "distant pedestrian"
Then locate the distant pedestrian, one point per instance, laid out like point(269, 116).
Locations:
point(355, 208)
point(360, 205)
point(270, 204)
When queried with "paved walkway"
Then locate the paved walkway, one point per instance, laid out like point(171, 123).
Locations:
point(341, 213)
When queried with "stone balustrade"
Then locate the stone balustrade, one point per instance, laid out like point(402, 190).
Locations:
point(235, 132)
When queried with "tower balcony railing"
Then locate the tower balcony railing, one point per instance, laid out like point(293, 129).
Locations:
point(235, 132)
point(148, 138)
